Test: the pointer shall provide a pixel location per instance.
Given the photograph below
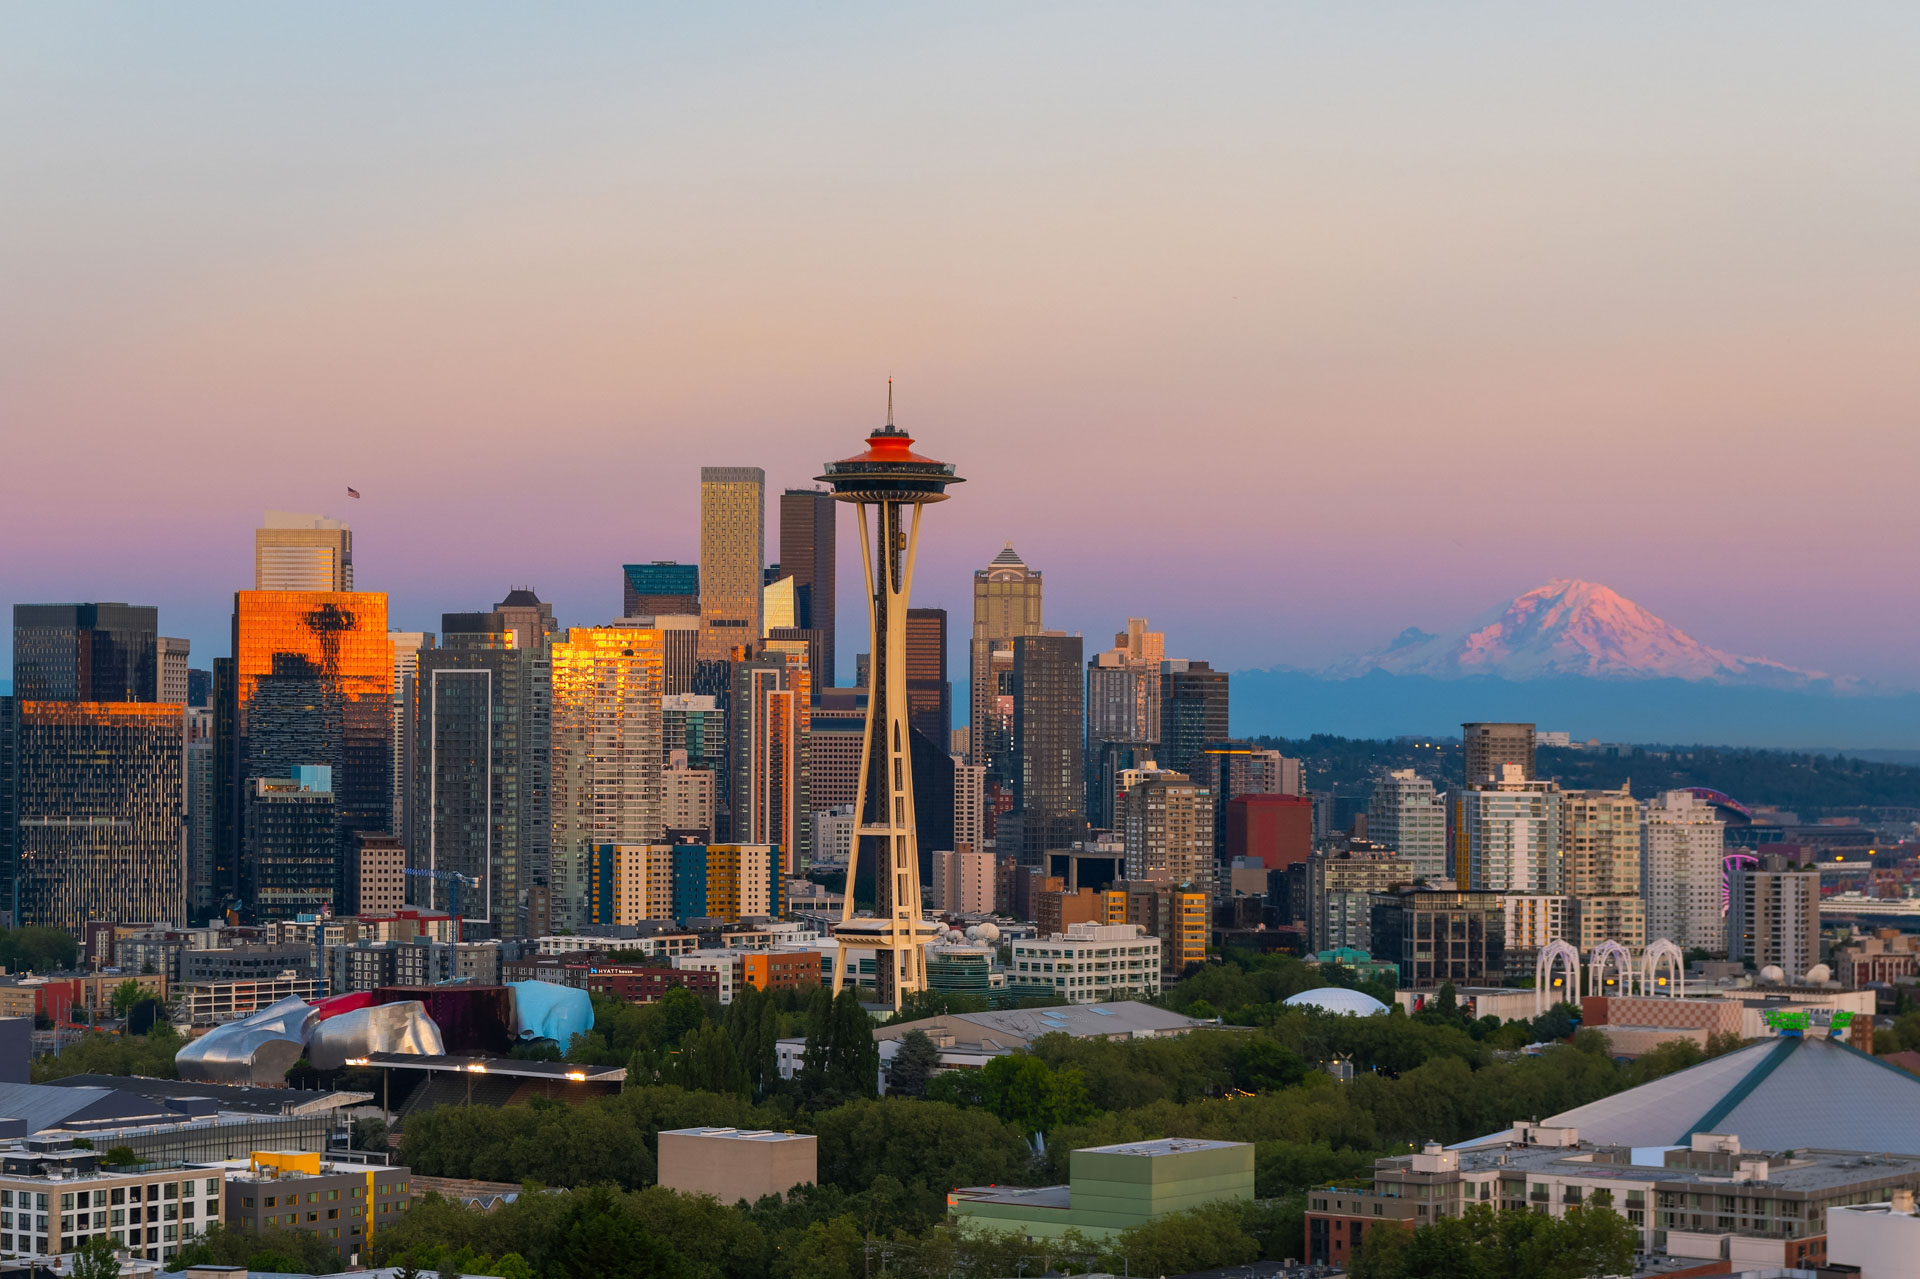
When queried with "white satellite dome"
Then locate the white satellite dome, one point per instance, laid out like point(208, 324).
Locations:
point(955, 935)
point(1338, 999)
point(1819, 975)
point(1773, 975)
point(986, 933)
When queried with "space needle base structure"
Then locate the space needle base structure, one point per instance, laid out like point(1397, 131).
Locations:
point(883, 484)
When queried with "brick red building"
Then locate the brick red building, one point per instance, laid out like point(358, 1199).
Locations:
point(646, 983)
point(1276, 830)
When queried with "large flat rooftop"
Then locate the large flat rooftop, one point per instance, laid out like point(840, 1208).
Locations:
point(1160, 1146)
point(1043, 1197)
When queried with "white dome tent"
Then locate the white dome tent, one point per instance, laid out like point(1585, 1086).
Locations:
point(1338, 999)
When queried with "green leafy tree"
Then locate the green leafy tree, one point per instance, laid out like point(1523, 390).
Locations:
point(709, 1062)
point(914, 1064)
point(125, 996)
point(95, 1260)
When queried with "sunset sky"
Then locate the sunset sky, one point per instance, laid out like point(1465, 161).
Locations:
point(1286, 326)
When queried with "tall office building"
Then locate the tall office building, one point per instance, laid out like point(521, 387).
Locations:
point(889, 487)
point(1773, 916)
point(201, 775)
point(529, 617)
point(969, 805)
point(293, 552)
point(292, 858)
point(606, 759)
point(664, 586)
point(771, 700)
point(312, 683)
point(929, 695)
point(732, 551)
point(1123, 714)
point(86, 653)
point(807, 558)
point(1166, 822)
point(1600, 868)
point(1123, 686)
point(170, 661)
point(1406, 814)
point(99, 808)
point(1049, 723)
point(1006, 605)
point(482, 707)
point(1489, 747)
point(1193, 712)
point(1511, 835)
point(1682, 855)
point(406, 646)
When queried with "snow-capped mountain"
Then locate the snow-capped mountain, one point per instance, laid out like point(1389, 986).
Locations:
point(1570, 627)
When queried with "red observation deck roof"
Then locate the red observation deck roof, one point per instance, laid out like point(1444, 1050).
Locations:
point(885, 447)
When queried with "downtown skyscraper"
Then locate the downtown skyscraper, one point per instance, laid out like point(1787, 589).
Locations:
point(808, 547)
point(1049, 718)
point(732, 550)
point(482, 712)
point(606, 758)
point(310, 682)
point(293, 552)
point(1006, 605)
point(95, 770)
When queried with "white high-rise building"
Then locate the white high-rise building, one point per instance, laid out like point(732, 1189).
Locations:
point(171, 655)
point(969, 804)
point(1682, 852)
point(1512, 835)
point(405, 647)
point(1407, 815)
point(293, 552)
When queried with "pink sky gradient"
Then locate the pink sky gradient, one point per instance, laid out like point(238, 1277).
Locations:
point(1285, 327)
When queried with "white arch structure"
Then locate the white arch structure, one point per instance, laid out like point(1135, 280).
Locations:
point(1610, 957)
point(1556, 955)
point(1663, 954)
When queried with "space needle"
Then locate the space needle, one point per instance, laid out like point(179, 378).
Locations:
point(883, 483)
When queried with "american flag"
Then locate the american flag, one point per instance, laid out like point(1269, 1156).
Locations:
point(353, 492)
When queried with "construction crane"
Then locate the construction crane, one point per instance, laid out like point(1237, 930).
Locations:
point(454, 880)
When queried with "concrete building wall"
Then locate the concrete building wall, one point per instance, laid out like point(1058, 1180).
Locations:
point(733, 1164)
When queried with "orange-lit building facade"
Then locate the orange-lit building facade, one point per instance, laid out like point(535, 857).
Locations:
point(311, 682)
point(780, 969)
point(770, 720)
point(100, 805)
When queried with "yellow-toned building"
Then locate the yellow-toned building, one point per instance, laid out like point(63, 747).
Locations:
point(632, 883)
point(605, 786)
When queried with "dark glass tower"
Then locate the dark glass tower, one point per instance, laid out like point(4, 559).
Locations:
point(1193, 712)
point(929, 695)
point(483, 710)
point(86, 653)
point(1049, 732)
point(807, 548)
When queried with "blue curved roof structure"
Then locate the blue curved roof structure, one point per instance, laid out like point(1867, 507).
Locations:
point(545, 1010)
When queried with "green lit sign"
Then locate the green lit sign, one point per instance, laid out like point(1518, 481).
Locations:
point(1798, 1022)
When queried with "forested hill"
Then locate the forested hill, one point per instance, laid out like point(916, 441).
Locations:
point(1807, 784)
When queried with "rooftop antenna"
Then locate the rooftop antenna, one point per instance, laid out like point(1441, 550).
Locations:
point(889, 404)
